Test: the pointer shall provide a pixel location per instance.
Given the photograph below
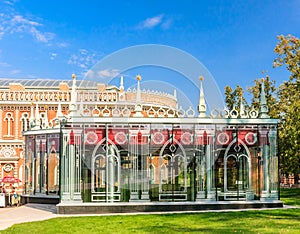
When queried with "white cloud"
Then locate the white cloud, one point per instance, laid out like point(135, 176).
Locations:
point(62, 45)
point(13, 23)
point(84, 59)
point(20, 20)
point(166, 24)
point(158, 20)
point(83, 51)
point(53, 56)
point(9, 2)
point(14, 72)
point(152, 22)
point(108, 73)
point(4, 64)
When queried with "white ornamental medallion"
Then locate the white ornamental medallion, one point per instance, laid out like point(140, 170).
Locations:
point(223, 138)
point(158, 138)
point(186, 138)
point(7, 167)
point(120, 138)
point(7, 152)
point(250, 138)
point(91, 138)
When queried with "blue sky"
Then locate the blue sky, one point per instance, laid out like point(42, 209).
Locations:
point(233, 39)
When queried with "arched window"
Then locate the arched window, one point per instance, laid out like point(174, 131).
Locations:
point(152, 173)
point(25, 121)
point(9, 119)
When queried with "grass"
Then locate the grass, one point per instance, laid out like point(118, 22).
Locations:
point(274, 221)
point(290, 196)
point(258, 221)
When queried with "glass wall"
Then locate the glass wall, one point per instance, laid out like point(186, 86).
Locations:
point(42, 164)
point(155, 162)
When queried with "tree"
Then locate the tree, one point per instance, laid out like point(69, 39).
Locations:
point(233, 97)
point(288, 52)
point(283, 102)
point(270, 91)
point(287, 49)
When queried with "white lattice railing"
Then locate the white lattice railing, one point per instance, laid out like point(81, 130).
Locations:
point(34, 96)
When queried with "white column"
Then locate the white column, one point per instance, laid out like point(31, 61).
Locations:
point(273, 165)
point(110, 173)
point(65, 173)
point(144, 154)
point(75, 166)
point(134, 196)
point(265, 156)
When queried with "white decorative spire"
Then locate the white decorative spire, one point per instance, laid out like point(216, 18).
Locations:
point(37, 117)
point(263, 106)
point(138, 91)
point(243, 113)
point(72, 105)
point(32, 118)
point(59, 116)
point(74, 87)
point(138, 106)
point(201, 105)
point(59, 113)
point(46, 121)
point(175, 93)
point(121, 84)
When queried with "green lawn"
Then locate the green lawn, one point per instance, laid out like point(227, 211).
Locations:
point(261, 221)
point(290, 196)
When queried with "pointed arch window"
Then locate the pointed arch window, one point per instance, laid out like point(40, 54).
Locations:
point(25, 122)
point(152, 174)
point(9, 119)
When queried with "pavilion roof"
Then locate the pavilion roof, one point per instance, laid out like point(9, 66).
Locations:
point(48, 83)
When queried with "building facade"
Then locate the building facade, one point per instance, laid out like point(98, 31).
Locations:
point(141, 152)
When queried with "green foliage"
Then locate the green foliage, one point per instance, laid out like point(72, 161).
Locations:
point(234, 97)
point(288, 51)
point(283, 102)
point(271, 96)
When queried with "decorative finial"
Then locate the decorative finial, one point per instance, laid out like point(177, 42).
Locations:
point(121, 84)
point(241, 93)
point(243, 113)
point(37, 117)
point(72, 104)
point(138, 106)
point(262, 80)
point(263, 106)
point(201, 104)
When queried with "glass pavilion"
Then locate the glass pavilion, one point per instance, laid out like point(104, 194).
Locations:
point(87, 159)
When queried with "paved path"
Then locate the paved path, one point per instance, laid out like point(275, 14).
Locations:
point(37, 212)
point(26, 213)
